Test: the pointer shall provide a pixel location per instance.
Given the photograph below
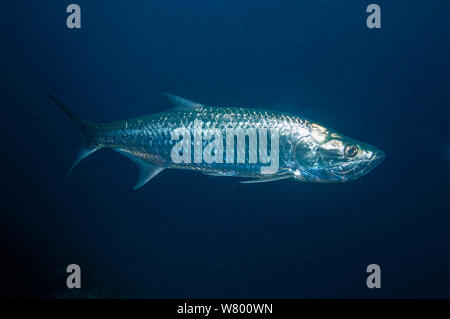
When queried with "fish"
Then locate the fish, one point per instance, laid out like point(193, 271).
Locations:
point(256, 144)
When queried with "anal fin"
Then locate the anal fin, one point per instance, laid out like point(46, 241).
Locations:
point(147, 170)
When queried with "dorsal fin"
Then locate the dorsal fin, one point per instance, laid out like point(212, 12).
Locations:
point(180, 102)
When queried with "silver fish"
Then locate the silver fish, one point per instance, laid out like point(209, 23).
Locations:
point(305, 151)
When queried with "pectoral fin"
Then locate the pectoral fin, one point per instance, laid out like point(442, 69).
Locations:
point(147, 170)
point(220, 174)
point(266, 179)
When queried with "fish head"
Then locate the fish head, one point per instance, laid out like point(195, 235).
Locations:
point(327, 156)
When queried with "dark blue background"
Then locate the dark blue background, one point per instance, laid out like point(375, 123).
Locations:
point(189, 235)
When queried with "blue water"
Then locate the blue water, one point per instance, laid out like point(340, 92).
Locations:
point(189, 235)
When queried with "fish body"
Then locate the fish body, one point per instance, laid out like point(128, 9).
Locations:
point(257, 144)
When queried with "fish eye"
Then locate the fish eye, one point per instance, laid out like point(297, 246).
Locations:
point(350, 151)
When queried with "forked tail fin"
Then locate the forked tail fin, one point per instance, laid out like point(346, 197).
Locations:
point(87, 130)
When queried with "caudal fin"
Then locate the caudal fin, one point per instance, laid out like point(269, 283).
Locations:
point(87, 130)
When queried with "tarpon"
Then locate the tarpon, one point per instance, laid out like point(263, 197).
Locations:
point(272, 146)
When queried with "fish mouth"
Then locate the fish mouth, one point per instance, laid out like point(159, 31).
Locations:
point(361, 168)
point(377, 157)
